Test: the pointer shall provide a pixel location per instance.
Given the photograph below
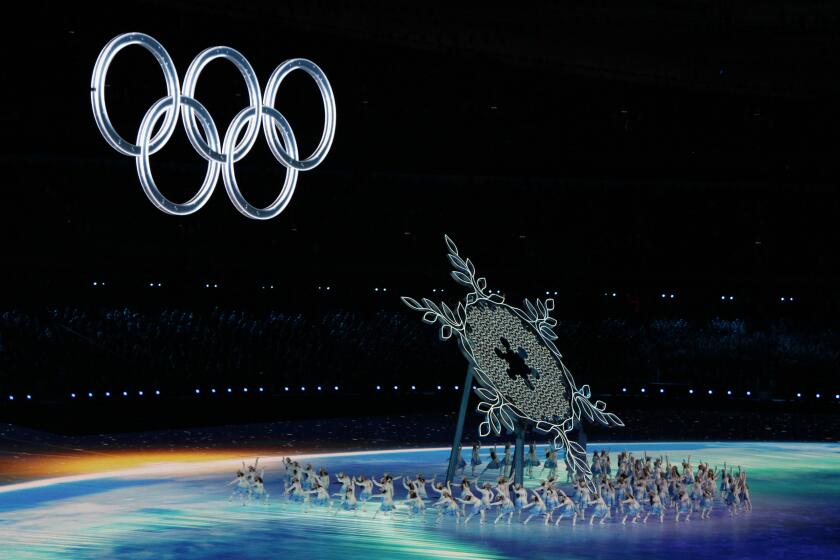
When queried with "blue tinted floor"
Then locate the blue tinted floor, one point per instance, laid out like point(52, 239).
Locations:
point(173, 511)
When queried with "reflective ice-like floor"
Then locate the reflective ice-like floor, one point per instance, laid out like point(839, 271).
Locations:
point(181, 511)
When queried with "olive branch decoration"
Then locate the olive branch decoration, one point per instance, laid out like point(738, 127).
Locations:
point(498, 411)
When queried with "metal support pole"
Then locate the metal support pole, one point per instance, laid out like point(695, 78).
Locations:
point(459, 427)
point(519, 454)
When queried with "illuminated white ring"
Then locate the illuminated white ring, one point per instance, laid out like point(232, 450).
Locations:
point(144, 170)
point(260, 111)
point(290, 160)
point(247, 116)
point(254, 95)
point(97, 92)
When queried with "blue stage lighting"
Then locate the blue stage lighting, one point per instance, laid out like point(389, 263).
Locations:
point(643, 390)
point(197, 391)
point(336, 388)
point(213, 391)
point(729, 392)
point(245, 389)
point(413, 387)
point(11, 397)
point(456, 387)
point(378, 387)
point(29, 397)
point(691, 391)
point(261, 389)
point(90, 395)
point(230, 390)
point(661, 390)
point(818, 395)
point(72, 395)
point(710, 391)
point(157, 391)
point(624, 389)
point(438, 387)
point(303, 388)
point(798, 394)
point(319, 387)
point(285, 388)
point(396, 387)
point(107, 393)
point(140, 393)
point(125, 393)
point(749, 393)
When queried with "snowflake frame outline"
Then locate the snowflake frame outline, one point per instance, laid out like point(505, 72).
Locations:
point(497, 409)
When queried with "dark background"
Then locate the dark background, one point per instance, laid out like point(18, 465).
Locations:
point(641, 149)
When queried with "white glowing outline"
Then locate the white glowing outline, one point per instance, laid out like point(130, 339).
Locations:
point(494, 404)
point(220, 155)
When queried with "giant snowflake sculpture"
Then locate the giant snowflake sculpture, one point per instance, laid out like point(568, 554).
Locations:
point(520, 373)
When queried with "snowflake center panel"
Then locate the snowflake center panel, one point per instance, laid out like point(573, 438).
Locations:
point(508, 351)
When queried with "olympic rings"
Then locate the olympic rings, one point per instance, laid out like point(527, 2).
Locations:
point(220, 154)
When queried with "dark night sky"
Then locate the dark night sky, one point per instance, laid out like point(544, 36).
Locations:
point(688, 146)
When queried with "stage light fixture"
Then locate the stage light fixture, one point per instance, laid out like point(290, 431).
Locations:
point(157, 392)
point(230, 390)
point(140, 393)
point(319, 387)
point(125, 393)
point(643, 390)
point(691, 391)
point(749, 393)
point(245, 389)
point(286, 389)
point(335, 388)
point(90, 395)
point(213, 391)
point(413, 387)
point(72, 395)
point(710, 391)
point(11, 397)
point(438, 387)
point(197, 391)
point(107, 393)
point(661, 390)
point(378, 387)
point(29, 397)
point(818, 395)
point(261, 389)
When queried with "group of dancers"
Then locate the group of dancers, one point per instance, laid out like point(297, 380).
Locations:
point(642, 487)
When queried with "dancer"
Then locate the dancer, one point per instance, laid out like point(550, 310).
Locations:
point(242, 488)
point(601, 510)
point(367, 489)
point(258, 488)
point(567, 505)
point(706, 504)
point(415, 504)
point(506, 508)
point(521, 498)
point(532, 460)
point(387, 506)
point(448, 506)
point(295, 491)
point(322, 498)
point(633, 508)
point(348, 501)
point(550, 463)
point(684, 505)
point(475, 459)
point(539, 508)
point(493, 465)
point(655, 508)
